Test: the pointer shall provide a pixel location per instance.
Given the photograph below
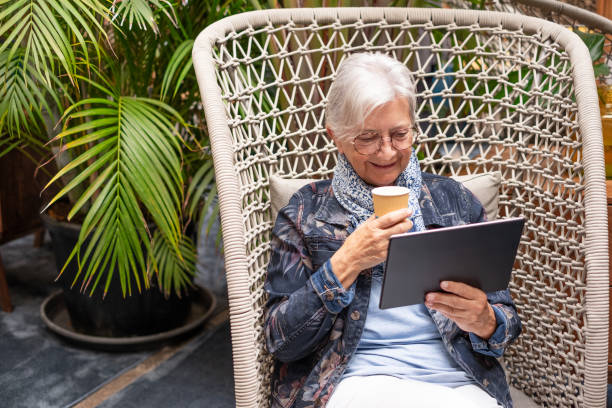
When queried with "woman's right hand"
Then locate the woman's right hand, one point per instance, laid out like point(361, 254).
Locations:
point(367, 245)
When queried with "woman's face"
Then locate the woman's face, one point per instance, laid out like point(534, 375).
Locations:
point(383, 167)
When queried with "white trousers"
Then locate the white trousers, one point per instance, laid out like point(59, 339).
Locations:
point(391, 392)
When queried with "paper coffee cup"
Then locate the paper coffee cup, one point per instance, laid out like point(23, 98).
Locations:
point(389, 198)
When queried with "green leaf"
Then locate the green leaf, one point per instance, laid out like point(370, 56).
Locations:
point(594, 42)
point(601, 70)
point(202, 180)
point(87, 157)
point(91, 137)
point(180, 58)
point(80, 178)
point(132, 159)
point(173, 272)
point(141, 13)
point(24, 97)
point(46, 28)
point(95, 186)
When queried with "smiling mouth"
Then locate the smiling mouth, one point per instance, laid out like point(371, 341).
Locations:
point(380, 166)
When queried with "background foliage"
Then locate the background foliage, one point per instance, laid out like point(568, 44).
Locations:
point(105, 90)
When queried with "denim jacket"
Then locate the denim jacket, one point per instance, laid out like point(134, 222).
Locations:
point(312, 333)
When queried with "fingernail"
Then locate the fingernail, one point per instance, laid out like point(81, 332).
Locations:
point(444, 285)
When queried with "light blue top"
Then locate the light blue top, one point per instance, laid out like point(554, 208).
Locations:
point(403, 342)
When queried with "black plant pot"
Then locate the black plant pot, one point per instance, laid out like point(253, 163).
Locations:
point(140, 314)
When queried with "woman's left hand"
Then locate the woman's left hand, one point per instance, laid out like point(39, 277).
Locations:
point(466, 305)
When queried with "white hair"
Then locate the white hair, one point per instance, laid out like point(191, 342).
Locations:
point(363, 83)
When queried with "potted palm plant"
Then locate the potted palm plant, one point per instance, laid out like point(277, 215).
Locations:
point(106, 89)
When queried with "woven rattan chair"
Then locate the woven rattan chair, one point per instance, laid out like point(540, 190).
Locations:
point(497, 92)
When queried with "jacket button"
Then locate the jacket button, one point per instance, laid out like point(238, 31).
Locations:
point(485, 382)
point(355, 315)
point(329, 296)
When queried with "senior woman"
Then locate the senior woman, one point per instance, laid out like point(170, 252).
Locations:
point(333, 346)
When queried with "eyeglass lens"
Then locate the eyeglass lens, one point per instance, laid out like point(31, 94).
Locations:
point(371, 142)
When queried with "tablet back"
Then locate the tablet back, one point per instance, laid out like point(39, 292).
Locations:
point(481, 255)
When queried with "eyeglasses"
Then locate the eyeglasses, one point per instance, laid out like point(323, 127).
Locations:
point(370, 142)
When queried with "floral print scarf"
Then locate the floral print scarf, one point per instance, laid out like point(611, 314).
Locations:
point(355, 195)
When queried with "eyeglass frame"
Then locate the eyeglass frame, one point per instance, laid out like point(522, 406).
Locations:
point(414, 136)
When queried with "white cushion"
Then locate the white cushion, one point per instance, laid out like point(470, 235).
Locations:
point(485, 186)
point(281, 191)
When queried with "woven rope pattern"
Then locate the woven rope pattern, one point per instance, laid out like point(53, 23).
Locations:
point(566, 20)
point(553, 11)
point(489, 99)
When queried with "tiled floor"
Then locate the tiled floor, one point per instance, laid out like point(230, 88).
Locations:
point(40, 369)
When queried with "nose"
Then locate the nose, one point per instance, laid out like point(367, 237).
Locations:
point(386, 148)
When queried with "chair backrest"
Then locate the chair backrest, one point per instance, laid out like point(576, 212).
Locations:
point(577, 15)
point(496, 92)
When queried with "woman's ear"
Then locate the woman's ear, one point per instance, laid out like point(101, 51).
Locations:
point(333, 137)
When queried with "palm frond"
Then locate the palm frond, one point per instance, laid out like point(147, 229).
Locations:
point(201, 183)
point(24, 99)
point(179, 66)
point(131, 168)
point(44, 28)
point(173, 272)
point(141, 13)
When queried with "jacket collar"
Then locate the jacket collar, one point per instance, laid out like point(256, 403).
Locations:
point(330, 211)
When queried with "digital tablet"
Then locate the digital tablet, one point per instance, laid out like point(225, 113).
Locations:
point(480, 255)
